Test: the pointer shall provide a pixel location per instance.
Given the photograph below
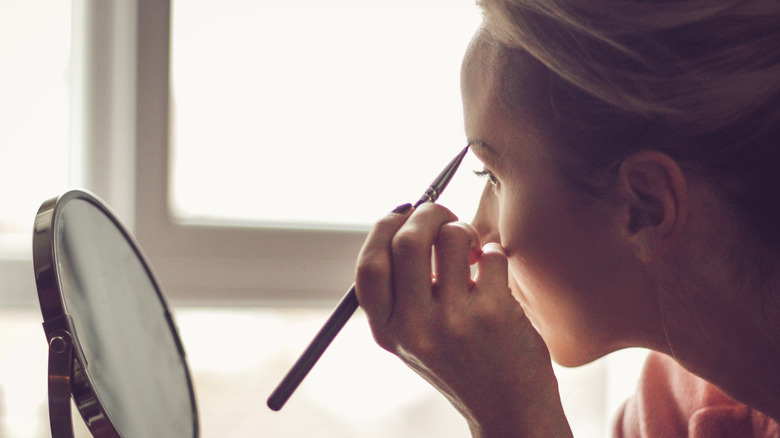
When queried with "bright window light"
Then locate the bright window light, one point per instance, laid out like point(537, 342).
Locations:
point(237, 356)
point(34, 59)
point(315, 113)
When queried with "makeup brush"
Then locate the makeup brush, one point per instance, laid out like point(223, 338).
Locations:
point(346, 307)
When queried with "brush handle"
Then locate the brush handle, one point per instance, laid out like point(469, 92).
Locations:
point(313, 352)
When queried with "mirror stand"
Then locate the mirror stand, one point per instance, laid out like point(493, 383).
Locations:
point(62, 356)
point(60, 372)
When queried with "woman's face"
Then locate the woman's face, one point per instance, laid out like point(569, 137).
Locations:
point(574, 274)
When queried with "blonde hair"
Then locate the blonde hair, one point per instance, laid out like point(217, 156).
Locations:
point(697, 79)
point(698, 62)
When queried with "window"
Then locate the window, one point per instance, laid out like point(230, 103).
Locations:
point(291, 112)
point(292, 127)
point(34, 108)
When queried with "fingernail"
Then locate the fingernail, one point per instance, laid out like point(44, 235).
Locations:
point(402, 209)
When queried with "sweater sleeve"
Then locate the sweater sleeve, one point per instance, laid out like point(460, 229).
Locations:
point(670, 402)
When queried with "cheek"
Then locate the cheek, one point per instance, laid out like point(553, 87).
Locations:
point(527, 219)
point(561, 262)
point(556, 240)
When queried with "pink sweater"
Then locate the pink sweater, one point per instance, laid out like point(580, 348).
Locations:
point(673, 403)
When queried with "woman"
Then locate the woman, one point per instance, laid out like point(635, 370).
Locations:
point(631, 150)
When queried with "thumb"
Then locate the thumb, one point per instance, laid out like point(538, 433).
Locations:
point(492, 272)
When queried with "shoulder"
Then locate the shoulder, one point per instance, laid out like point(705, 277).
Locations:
point(672, 402)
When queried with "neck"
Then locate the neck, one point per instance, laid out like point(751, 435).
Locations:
point(719, 292)
point(744, 369)
point(728, 333)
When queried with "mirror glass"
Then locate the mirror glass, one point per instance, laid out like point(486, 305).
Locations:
point(133, 358)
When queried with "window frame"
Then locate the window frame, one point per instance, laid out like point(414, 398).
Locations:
point(101, 136)
point(213, 264)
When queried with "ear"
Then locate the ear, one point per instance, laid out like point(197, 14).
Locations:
point(654, 189)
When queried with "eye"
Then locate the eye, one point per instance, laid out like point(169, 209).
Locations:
point(489, 177)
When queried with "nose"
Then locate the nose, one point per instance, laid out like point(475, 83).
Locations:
point(486, 219)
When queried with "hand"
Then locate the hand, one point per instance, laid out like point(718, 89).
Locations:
point(469, 338)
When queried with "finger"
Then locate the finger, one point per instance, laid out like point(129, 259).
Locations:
point(412, 247)
point(492, 270)
point(456, 247)
point(373, 276)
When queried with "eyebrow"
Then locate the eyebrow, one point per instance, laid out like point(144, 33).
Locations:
point(484, 147)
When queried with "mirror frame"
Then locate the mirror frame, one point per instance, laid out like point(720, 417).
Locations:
point(69, 373)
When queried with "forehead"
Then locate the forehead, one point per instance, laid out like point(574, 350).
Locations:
point(482, 65)
point(504, 90)
point(504, 77)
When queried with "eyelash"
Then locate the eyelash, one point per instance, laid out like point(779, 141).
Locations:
point(488, 176)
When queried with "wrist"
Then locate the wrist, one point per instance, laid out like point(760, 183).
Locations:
point(540, 417)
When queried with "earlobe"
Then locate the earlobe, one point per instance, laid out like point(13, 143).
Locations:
point(655, 193)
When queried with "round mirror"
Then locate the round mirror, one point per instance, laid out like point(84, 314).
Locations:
point(128, 372)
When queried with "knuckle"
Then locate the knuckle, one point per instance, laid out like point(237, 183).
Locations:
point(371, 268)
point(384, 340)
point(389, 221)
point(430, 208)
point(406, 243)
point(456, 233)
